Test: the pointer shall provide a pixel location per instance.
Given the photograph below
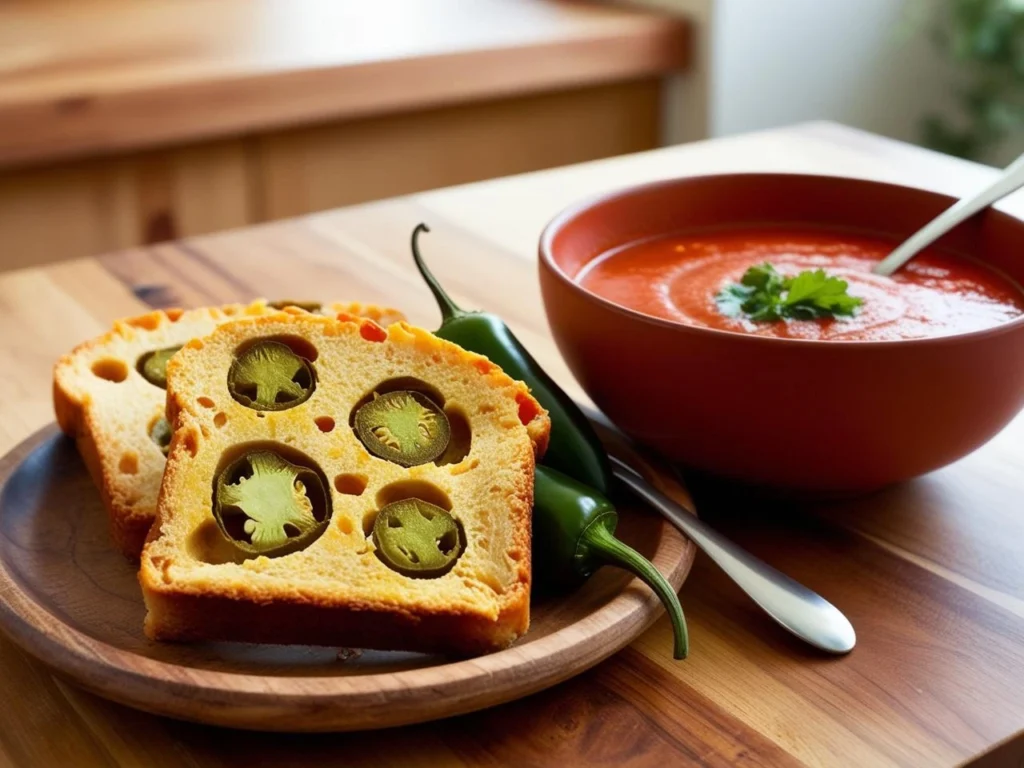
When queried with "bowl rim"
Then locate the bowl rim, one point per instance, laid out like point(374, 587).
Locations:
point(566, 216)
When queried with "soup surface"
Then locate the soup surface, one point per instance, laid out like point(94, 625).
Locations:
point(678, 277)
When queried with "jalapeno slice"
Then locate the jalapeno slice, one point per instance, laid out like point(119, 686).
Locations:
point(265, 505)
point(269, 376)
point(407, 428)
point(153, 365)
point(417, 539)
point(160, 433)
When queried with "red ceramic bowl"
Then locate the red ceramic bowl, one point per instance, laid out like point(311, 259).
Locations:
point(792, 414)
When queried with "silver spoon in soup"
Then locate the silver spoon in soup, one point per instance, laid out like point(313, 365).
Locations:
point(1009, 181)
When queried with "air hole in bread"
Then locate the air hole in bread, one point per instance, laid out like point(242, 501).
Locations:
point(487, 408)
point(461, 437)
point(220, 420)
point(191, 442)
point(110, 369)
point(351, 484)
point(399, 384)
point(174, 314)
point(129, 464)
point(369, 518)
point(344, 525)
point(528, 408)
point(465, 466)
point(205, 402)
point(208, 545)
point(300, 346)
point(372, 332)
point(324, 423)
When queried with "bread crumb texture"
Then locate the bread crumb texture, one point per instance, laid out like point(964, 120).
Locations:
point(336, 590)
point(102, 401)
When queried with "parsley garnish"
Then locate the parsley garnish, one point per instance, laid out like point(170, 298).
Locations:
point(765, 295)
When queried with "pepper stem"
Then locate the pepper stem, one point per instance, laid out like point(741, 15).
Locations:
point(449, 309)
point(603, 543)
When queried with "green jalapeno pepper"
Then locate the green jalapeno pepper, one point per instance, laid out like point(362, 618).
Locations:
point(153, 365)
point(574, 535)
point(573, 522)
point(574, 447)
point(418, 539)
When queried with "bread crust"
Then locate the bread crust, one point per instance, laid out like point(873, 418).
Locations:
point(188, 600)
point(131, 501)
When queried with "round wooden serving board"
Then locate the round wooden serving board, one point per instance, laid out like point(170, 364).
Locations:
point(72, 601)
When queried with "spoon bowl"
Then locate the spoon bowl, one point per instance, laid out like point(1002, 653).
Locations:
point(1010, 180)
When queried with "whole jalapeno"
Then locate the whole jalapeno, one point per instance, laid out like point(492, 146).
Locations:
point(574, 448)
point(573, 521)
point(574, 535)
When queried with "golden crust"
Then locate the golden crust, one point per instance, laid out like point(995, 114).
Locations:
point(106, 418)
point(481, 605)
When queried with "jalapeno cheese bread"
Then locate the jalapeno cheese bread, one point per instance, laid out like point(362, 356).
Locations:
point(334, 483)
point(109, 396)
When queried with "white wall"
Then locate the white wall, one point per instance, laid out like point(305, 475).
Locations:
point(765, 63)
point(866, 63)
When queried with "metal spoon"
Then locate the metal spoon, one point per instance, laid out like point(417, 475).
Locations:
point(1009, 181)
point(806, 614)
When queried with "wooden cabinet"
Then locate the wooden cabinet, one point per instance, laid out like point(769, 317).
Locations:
point(219, 114)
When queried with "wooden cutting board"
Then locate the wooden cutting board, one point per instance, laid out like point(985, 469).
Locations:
point(70, 599)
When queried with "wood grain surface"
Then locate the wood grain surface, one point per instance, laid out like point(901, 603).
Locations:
point(104, 75)
point(69, 598)
point(931, 572)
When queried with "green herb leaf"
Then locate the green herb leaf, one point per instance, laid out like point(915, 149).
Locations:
point(766, 296)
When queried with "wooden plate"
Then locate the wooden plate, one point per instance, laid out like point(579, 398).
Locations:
point(70, 600)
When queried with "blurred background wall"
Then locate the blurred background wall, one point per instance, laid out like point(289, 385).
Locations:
point(945, 73)
point(868, 63)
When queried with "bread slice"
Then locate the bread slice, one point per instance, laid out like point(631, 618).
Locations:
point(337, 591)
point(104, 403)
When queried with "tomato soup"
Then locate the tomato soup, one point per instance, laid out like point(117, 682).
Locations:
point(678, 277)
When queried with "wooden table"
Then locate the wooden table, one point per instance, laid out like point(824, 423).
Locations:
point(931, 573)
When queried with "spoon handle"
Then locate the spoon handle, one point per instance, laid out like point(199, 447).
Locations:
point(1009, 181)
point(803, 612)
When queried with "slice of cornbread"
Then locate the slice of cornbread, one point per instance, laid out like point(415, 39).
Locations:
point(329, 582)
point(115, 414)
